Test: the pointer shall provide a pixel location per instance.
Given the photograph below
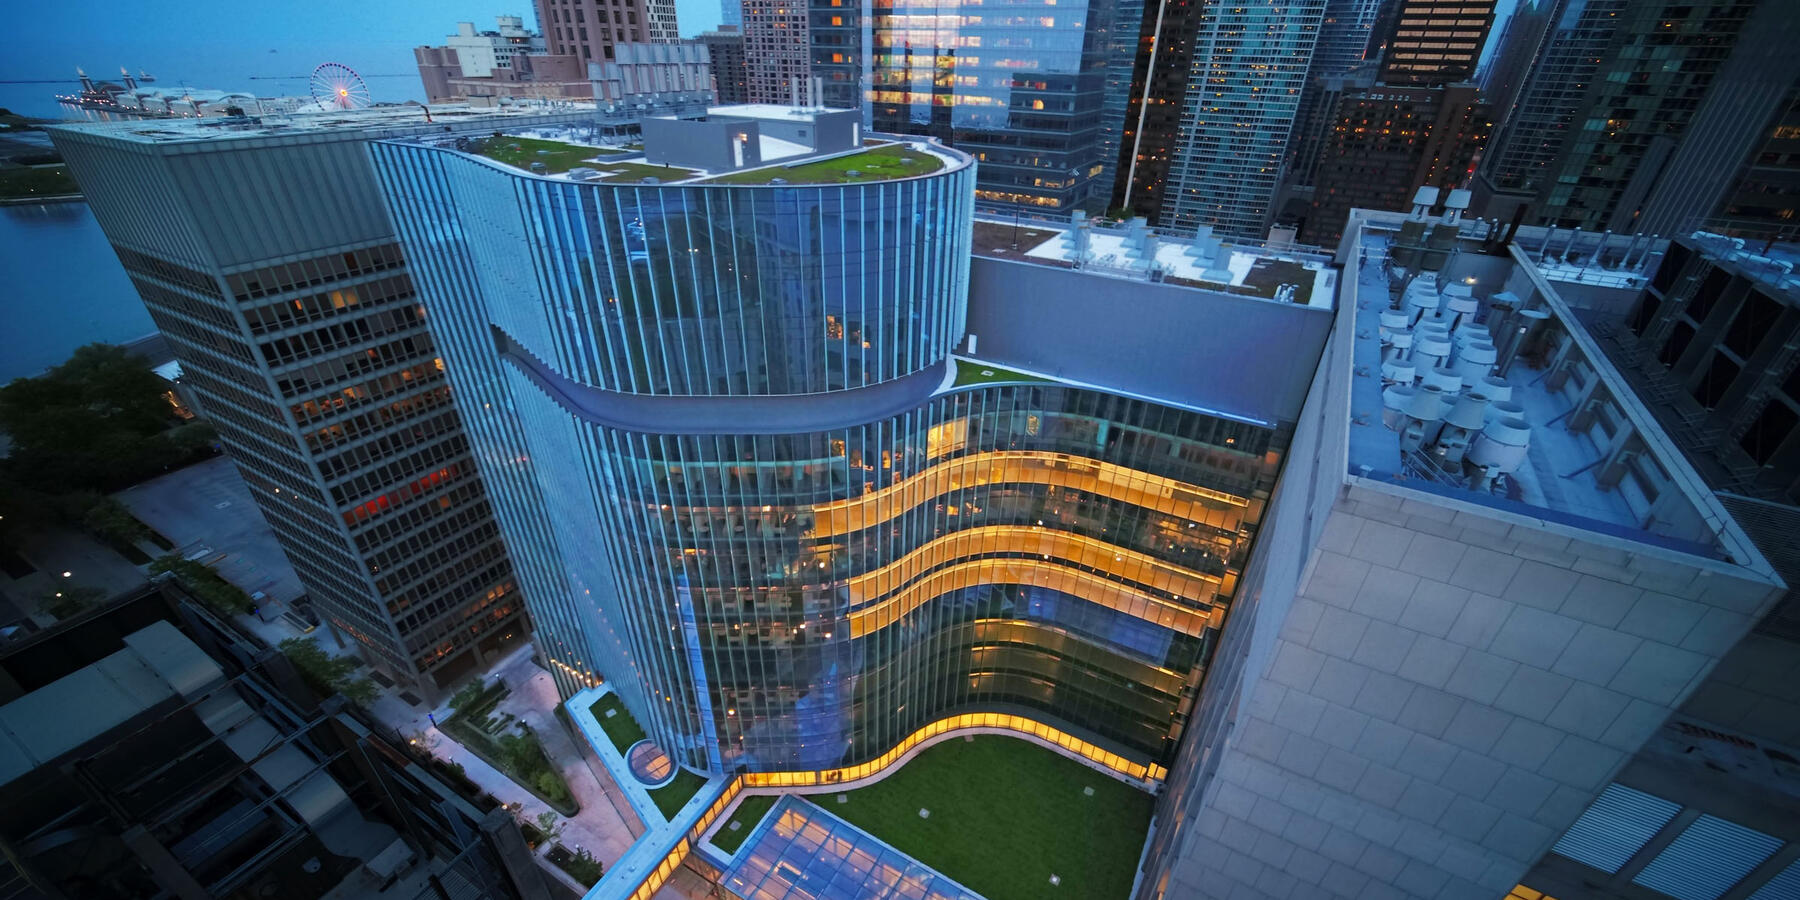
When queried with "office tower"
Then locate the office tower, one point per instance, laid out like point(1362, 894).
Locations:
point(731, 14)
point(789, 536)
point(1516, 51)
point(1609, 136)
point(1387, 141)
point(834, 34)
point(148, 750)
point(588, 29)
point(777, 53)
point(1765, 192)
point(1436, 41)
point(293, 315)
point(725, 47)
point(1388, 138)
point(1461, 636)
point(1247, 70)
point(1022, 93)
point(1151, 125)
point(1346, 35)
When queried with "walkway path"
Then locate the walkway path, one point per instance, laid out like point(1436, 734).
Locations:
point(605, 826)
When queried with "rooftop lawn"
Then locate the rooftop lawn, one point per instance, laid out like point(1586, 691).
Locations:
point(622, 728)
point(750, 811)
point(968, 373)
point(876, 164)
point(560, 158)
point(671, 797)
point(1006, 814)
point(635, 173)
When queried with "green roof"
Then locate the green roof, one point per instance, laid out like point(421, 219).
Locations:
point(968, 373)
point(882, 163)
point(521, 152)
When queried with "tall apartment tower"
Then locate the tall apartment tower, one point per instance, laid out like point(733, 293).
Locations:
point(1608, 135)
point(1023, 93)
point(1346, 36)
point(777, 51)
point(1424, 128)
point(1436, 41)
point(293, 315)
point(1246, 71)
point(1386, 142)
point(730, 74)
point(1516, 51)
point(589, 29)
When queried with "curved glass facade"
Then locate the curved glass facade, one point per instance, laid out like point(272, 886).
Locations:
point(780, 593)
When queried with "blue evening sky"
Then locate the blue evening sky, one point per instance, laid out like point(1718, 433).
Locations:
point(220, 43)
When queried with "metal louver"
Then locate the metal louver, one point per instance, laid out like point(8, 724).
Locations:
point(1707, 859)
point(1617, 825)
point(1784, 886)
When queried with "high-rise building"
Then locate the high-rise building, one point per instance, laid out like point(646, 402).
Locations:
point(1158, 76)
point(1632, 108)
point(1386, 139)
point(1387, 627)
point(1470, 612)
point(1023, 93)
point(1346, 35)
point(293, 315)
point(834, 32)
point(1764, 197)
point(148, 750)
point(1436, 41)
point(1389, 140)
point(1247, 69)
point(589, 29)
point(731, 14)
point(777, 51)
point(725, 47)
point(1516, 52)
point(789, 554)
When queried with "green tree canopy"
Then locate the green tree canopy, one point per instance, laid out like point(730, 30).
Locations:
point(97, 422)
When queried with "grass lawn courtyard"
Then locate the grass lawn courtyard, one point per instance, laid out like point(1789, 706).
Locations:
point(1006, 814)
point(617, 722)
point(521, 152)
point(748, 813)
point(878, 164)
point(968, 373)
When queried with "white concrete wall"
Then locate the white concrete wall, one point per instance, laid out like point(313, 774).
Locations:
point(1449, 689)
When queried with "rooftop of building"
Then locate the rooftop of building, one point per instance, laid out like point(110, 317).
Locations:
point(1473, 380)
point(572, 152)
point(1769, 263)
point(1289, 274)
point(388, 120)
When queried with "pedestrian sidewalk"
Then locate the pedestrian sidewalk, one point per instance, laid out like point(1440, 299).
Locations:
point(605, 825)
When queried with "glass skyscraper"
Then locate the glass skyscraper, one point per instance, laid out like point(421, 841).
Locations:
point(743, 485)
point(1020, 87)
point(1248, 67)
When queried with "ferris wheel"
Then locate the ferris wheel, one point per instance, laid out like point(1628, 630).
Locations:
point(337, 86)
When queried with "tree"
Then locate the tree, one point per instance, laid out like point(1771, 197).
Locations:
point(548, 824)
point(109, 520)
point(328, 674)
point(71, 600)
point(584, 867)
point(207, 586)
point(96, 422)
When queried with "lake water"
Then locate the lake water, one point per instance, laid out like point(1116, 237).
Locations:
point(62, 288)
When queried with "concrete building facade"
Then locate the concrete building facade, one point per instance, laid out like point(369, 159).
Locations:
point(293, 315)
